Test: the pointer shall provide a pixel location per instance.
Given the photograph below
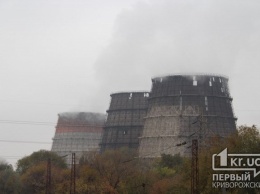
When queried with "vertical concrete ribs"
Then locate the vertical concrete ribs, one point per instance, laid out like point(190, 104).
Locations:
point(125, 120)
point(78, 132)
point(175, 107)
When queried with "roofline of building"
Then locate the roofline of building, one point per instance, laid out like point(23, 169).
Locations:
point(190, 74)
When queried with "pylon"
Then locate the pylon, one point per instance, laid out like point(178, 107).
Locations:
point(73, 175)
point(194, 168)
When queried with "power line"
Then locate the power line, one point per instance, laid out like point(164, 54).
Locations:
point(30, 102)
point(11, 157)
point(47, 123)
point(18, 141)
point(27, 122)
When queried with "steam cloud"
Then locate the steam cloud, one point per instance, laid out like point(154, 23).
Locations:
point(171, 36)
point(85, 117)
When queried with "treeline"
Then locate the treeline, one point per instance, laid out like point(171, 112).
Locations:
point(121, 172)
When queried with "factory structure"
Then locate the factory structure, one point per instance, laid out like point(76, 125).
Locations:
point(185, 107)
point(125, 118)
point(178, 109)
point(77, 132)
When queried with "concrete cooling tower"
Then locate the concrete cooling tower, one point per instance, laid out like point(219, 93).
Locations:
point(78, 132)
point(124, 122)
point(185, 107)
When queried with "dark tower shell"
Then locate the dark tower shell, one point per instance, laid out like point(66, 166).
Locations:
point(184, 107)
point(124, 122)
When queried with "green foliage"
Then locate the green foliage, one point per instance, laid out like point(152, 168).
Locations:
point(166, 171)
point(9, 180)
point(120, 172)
point(89, 180)
point(246, 140)
point(170, 161)
point(37, 157)
point(114, 167)
point(249, 140)
point(5, 166)
point(34, 179)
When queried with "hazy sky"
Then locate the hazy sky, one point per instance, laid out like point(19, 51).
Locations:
point(64, 55)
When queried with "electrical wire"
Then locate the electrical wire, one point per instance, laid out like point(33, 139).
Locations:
point(11, 157)
point(18, 141)
point(26, 122)
point(46, 123)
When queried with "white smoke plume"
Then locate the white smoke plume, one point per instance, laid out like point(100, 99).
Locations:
point(83, 117)
point(172, 36)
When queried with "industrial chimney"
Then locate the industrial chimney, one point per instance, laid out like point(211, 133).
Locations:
point(184, 107)
point(78, 132)
point(124, 122)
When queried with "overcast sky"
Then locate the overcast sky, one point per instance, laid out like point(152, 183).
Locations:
point(66, 55)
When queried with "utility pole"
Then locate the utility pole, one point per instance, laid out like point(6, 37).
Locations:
point(194, 168)
point(73, 175)
point(195, 156)
point(48, 178)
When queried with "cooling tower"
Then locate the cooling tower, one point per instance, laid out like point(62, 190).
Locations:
point(78, 132)
point(184, 107)
point(124, 122)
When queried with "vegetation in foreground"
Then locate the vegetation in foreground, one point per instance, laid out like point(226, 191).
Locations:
point(120, 172)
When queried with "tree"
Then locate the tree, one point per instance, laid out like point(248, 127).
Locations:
point(249, 140)
point(88, 180)
point(170, 161)
point(33, 171)
point(245, 141)
point(38, 157)
point(9, 180)
point(34, 179)
point(171, 174)
point(115, 167)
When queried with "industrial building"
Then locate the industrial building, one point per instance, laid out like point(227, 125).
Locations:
point(184, 107)
point(124, 122)
point(78, 132)
point(178, 108)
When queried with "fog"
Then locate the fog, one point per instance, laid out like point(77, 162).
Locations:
point(169, 37)
point(69, 56)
